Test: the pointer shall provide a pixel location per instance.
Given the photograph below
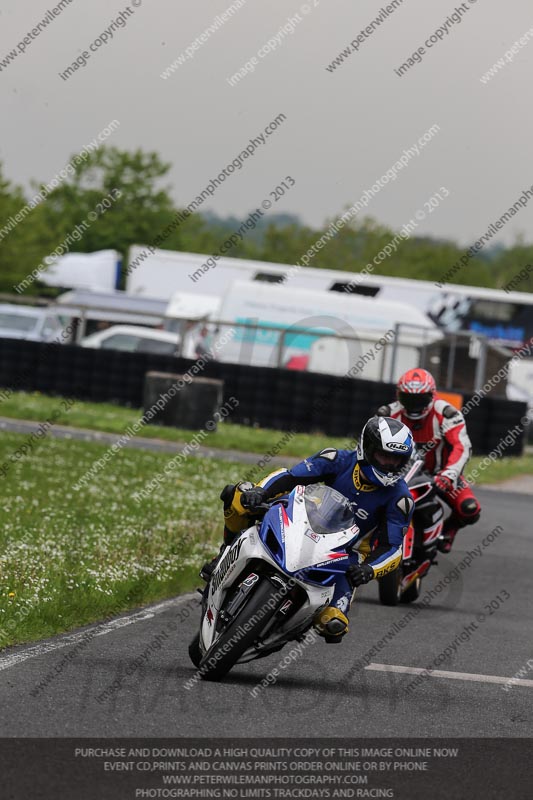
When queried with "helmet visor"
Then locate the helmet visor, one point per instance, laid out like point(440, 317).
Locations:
point(385, 461)
point(415, 403)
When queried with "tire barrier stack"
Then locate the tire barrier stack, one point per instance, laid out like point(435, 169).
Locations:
point(181, 401)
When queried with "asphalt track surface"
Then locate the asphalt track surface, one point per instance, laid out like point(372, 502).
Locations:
point(324, 691)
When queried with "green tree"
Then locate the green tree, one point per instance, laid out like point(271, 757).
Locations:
point(23, 242)
point(139, 208)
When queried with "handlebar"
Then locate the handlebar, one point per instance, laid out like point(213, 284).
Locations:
point(266, 506)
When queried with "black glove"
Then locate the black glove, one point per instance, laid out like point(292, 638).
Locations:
point(252, 498)
point(358, 574)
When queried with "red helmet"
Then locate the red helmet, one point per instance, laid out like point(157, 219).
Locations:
point(416, 392)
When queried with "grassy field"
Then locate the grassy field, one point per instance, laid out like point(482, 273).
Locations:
point(71, 556)
point(68, 558)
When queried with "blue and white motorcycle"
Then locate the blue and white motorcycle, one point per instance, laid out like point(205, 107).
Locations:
point(270, 583)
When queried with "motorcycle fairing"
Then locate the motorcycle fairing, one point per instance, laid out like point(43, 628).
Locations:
point(280, 542)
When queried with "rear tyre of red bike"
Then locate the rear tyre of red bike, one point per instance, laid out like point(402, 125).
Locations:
point(412, 593)
point(389, 588)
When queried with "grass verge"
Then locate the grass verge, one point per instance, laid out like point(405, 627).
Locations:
point(111, 418)
point(68, 558)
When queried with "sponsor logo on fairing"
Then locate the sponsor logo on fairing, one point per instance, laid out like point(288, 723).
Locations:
point(226, 563)
point(333, 557)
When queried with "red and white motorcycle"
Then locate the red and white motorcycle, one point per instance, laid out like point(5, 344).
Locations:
point(420, 541)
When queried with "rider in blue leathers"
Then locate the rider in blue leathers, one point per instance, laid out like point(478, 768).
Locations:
point(371, 478)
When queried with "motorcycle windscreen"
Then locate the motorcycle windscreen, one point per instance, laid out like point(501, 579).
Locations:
point(322, 522)
point(328, 511)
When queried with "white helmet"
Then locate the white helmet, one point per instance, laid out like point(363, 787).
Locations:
point(385, 447)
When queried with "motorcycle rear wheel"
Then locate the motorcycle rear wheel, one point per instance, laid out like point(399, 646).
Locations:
point(412, 593)
point(264, 603)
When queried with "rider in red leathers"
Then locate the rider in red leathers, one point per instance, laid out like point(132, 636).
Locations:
point(439, 431)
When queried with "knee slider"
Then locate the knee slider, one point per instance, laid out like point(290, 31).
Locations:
point(470, 511)
point(331, 622)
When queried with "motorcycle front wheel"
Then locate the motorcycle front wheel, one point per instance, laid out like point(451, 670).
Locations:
point(194, 651)
point(242, 631)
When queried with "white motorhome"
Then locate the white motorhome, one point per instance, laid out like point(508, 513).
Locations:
point(336, 334)
point(504, 317)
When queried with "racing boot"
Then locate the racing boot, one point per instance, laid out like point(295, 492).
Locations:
point(332, 624)
point(209, 566)
point(449, 532)
point(445, 541)
point(468, 514)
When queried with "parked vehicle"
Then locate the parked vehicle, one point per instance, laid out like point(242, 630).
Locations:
point(333, 331)
point(420, 541)
point(270, 583)
point(32, 323)
point(134, 339)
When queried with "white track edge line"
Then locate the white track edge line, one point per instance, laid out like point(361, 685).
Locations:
point(102, 628)
point(456, 676)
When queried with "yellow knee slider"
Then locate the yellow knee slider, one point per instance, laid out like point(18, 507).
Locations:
point(331, 622)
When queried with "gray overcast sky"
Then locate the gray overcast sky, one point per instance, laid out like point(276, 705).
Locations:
point(343, 130)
